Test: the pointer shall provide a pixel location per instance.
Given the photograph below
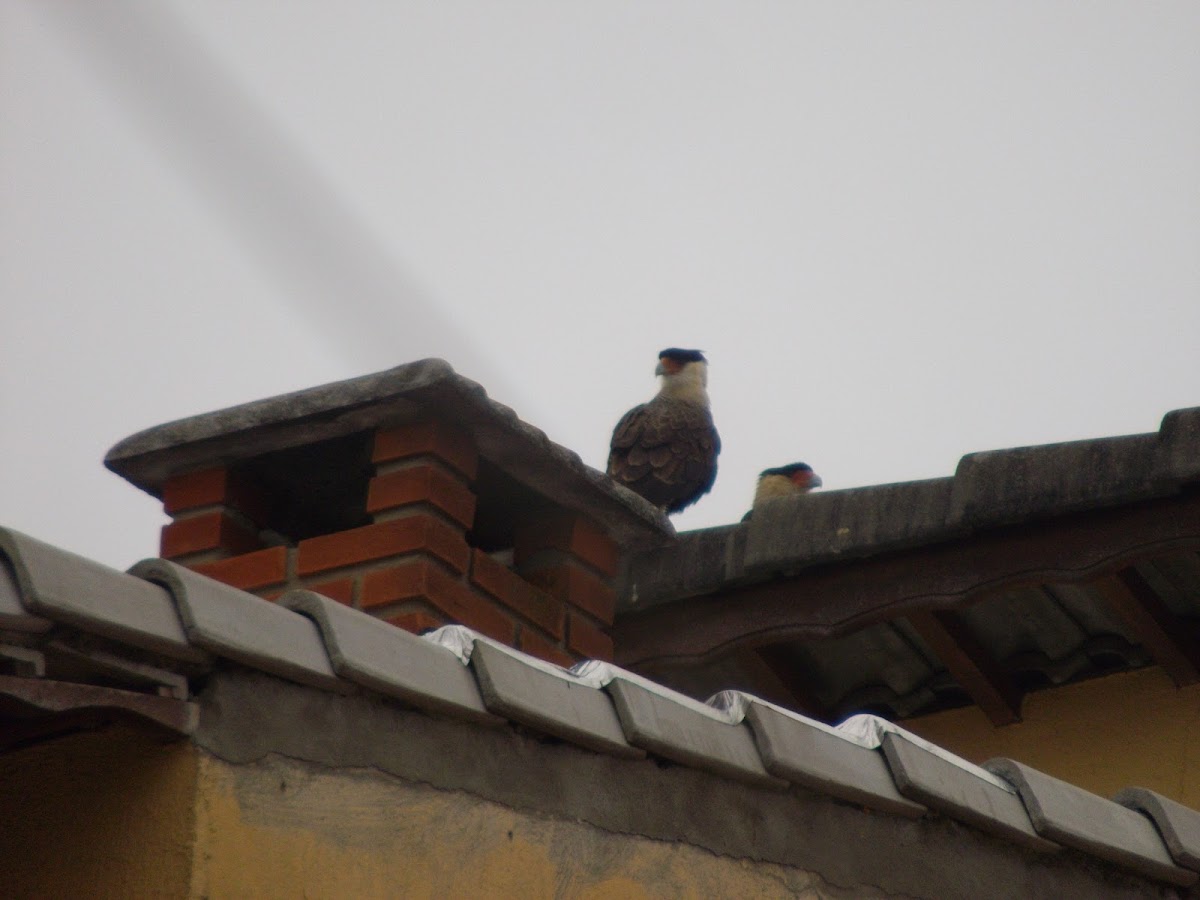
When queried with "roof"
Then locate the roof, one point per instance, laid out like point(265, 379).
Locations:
point(415, 391)
point(1028, 567)
point(85, 639)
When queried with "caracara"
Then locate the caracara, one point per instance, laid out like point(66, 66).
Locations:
point(784, 481)
point(666, 450)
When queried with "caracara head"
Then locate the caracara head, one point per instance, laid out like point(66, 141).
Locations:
point(799, 475)
point(784, 481)
point(684, 372)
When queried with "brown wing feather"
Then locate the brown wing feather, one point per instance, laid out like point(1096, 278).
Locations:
point(666, 451)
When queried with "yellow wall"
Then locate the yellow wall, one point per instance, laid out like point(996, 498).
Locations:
point(100, 814)
point(284, 829)
point(1135, 728)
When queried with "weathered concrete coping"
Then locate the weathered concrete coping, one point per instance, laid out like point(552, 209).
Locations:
point(988, 490)
point(406, 393)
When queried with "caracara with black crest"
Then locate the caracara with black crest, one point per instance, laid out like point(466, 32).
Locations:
point(666, 450)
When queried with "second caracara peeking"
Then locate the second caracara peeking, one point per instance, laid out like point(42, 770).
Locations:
point(784, 481)
point(666, 450)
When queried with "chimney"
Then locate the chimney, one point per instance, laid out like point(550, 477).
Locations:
point(408, 494)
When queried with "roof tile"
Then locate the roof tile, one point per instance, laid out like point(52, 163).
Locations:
point(389, 660)
point(1178, 826)
point(676, 729)
point(561, 705)
point(927, 778)
point(244, 628)
point(67, 588)
point(1075, 818)
point(808, 753)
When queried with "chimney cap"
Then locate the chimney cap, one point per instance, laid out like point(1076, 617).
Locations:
point(428, 389)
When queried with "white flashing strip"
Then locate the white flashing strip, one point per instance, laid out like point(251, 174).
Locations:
point(864, 730)
point(593, 673)
point(728, 707)
point(601, 673)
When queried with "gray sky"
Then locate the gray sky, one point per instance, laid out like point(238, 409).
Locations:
point(902, 232)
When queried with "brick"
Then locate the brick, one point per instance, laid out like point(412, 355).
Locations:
point(214, 487)
point(418, 621)
point(429, 483)
point(535, 645)
point(215, 530)
point(509, 588)
point(422, 579)
point(339, 589)
point(260, 569)
point(447, 443)
point(587, 640)
point(194, 489)
point(414, 534)
point(576, 585)
point(569, 533)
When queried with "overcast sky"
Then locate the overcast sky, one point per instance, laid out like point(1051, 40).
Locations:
point(902, 232)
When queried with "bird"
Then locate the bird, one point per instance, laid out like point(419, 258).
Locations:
point(783, 481)
point(666, 449)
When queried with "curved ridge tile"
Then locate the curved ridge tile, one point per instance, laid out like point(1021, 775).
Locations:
point(952, 790)
point(63, 587)
point(811, 754)
point(676, 730)
point(1076, 818)
point(244, 628)
point(560, 705)
point(390, 661)
point(1178, 826)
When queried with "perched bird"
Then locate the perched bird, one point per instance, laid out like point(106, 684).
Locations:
point(666, 450)
point(784, 481)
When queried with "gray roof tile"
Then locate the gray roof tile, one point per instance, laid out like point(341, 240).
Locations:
point(391, 661)
point(70, 589)
point(848, 523)
point(1075, 818)
point(927, 778)
point(244, 628)
point(560, 705)
point(674, 726)
point(13, 614)
point(809, 754)
point(1178, 826)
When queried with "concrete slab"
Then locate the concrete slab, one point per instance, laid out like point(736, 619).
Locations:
point(69, 589)
point(244, 628)
point(805, 753)
point(389, 660)
point(1075, 818)
point(1178, 826)
point(927, 778)
point(675, 729)
point(554, 704)
point(825, 526)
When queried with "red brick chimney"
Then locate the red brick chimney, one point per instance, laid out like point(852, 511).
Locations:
point(407, 494)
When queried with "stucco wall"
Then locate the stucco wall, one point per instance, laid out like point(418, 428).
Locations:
point(100, 814)
point(281, 828)
point(1133, 728)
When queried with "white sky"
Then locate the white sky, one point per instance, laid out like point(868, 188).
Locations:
point(901, 232)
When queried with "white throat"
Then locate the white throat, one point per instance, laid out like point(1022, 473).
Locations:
point(688, 384)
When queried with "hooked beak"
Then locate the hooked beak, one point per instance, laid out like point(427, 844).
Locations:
point(660, 369)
